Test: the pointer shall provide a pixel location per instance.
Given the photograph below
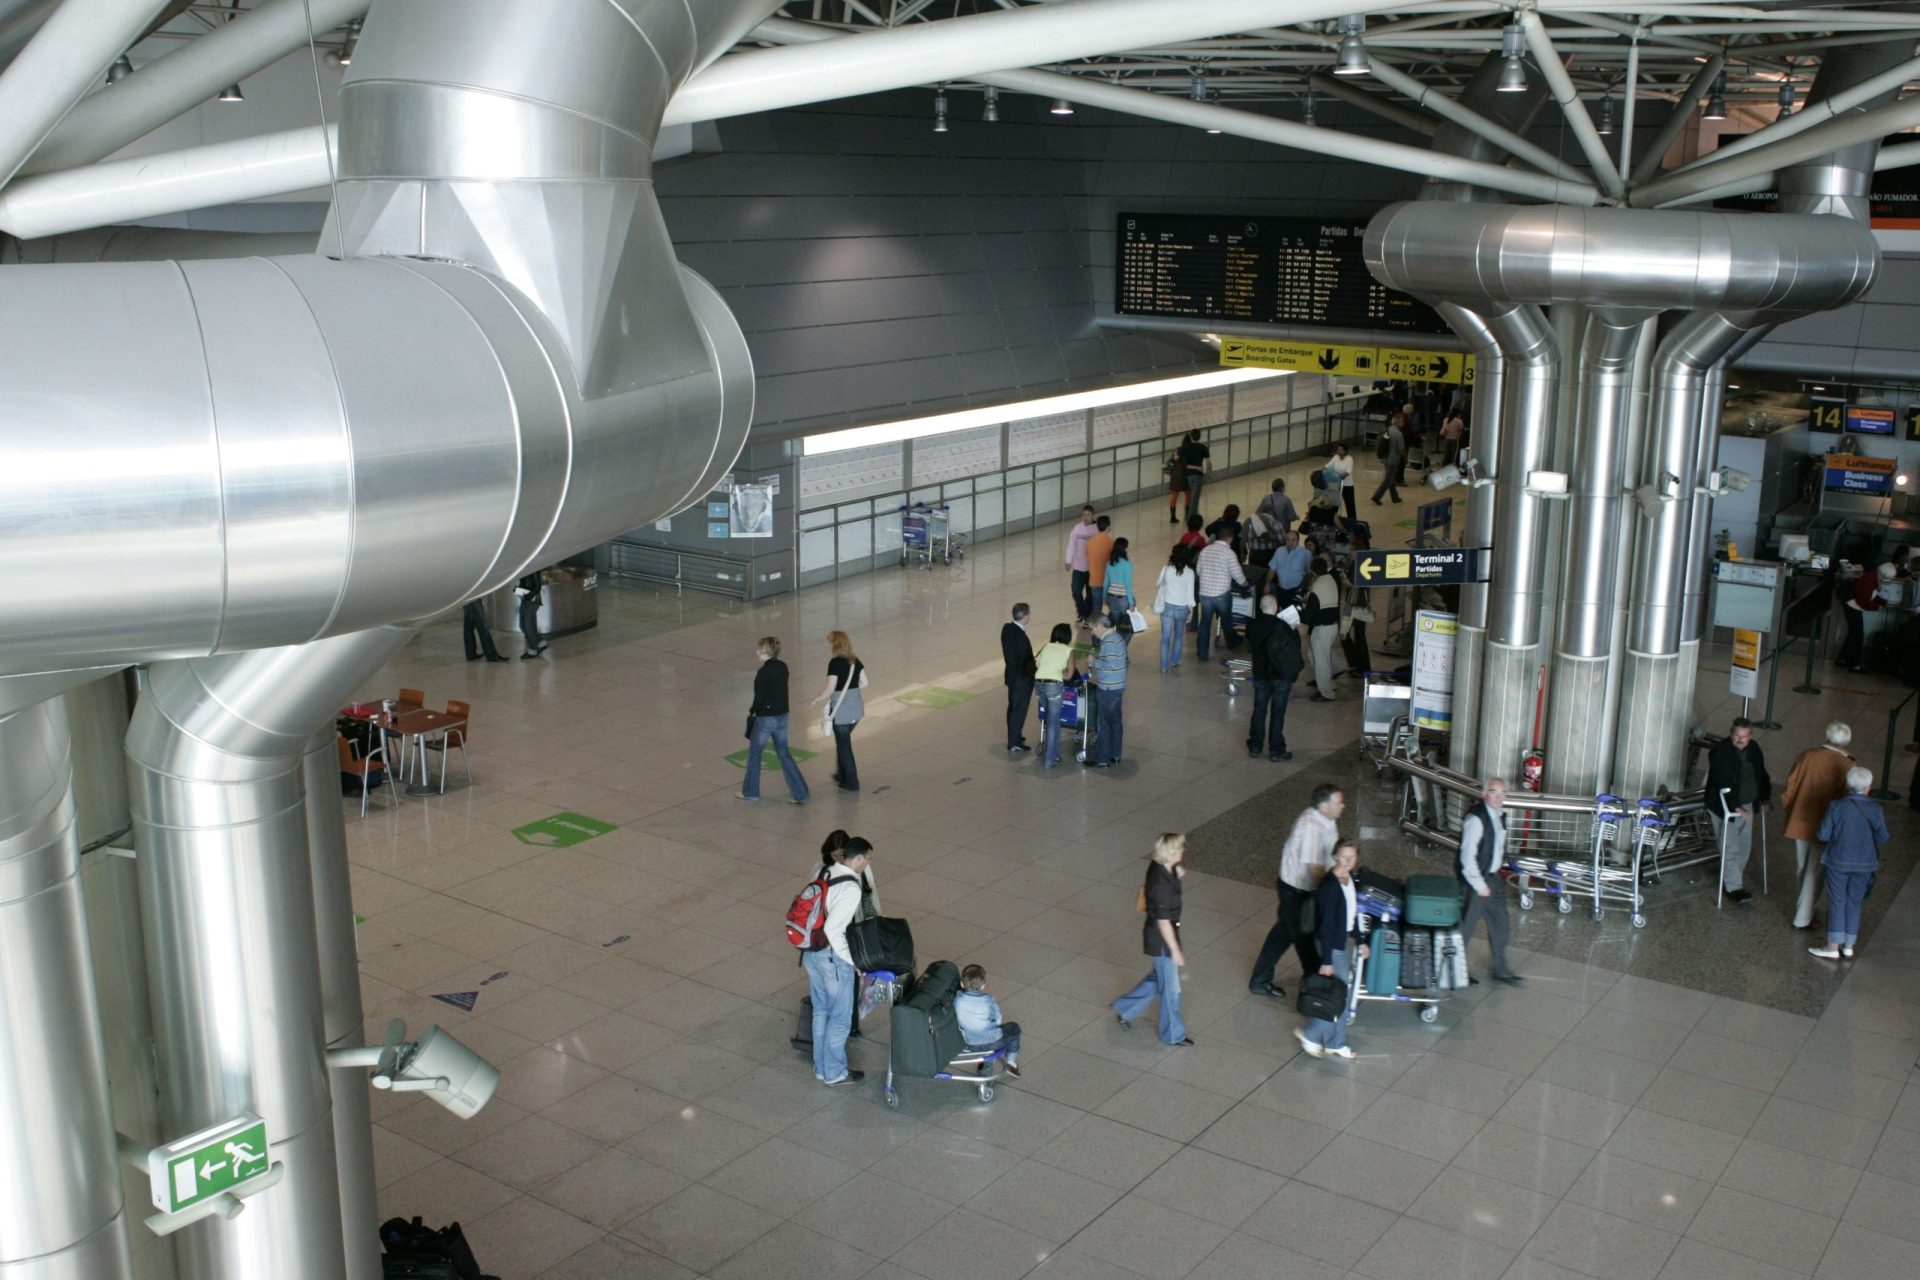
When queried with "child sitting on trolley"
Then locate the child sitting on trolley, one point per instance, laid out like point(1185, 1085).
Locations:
point(980, 1020)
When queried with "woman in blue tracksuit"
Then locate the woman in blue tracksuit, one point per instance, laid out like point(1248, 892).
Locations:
point(1853, 831)
point(1339, 939)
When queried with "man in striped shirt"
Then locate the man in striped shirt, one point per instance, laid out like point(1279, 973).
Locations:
point(1218, 570)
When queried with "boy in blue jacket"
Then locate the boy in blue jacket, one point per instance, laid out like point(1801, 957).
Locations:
point(980, 1022)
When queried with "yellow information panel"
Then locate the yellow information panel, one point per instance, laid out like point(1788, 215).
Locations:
point(1426, 366)
point(1364, 362)
point(1301, 357)
point(1743, 677)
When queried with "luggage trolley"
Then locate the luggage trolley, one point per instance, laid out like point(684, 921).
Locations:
point(927, 531)
point(1385, 704)
point(1611, 874)
point(1376, 908)
point(981, 1079)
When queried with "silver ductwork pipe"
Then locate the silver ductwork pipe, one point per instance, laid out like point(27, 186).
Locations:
point(217, 781)
point(60, 1200)
point(1469, 654)
point(342, 1021)
point(529, 368)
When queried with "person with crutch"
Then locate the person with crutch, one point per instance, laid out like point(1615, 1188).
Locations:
point(1737, 787)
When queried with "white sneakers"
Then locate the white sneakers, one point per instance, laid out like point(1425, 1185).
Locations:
point(1313, 1050)
point(1342, 1052)
point(1826, 953)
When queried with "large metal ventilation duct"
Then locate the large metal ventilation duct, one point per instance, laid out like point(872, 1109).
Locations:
point(262, 452)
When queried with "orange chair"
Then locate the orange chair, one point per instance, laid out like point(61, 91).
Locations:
point(411, 699)
point(373, 766)
point(455, 737)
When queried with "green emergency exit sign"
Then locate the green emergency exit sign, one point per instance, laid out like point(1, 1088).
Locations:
point(202, 1165)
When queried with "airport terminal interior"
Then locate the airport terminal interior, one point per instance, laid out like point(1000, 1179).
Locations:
point(425, 423)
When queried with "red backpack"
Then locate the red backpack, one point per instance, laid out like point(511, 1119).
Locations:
point(807, 917)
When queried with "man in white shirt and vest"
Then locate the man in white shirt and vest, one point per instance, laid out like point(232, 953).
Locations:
point(1304, 858)
point(1483, 850)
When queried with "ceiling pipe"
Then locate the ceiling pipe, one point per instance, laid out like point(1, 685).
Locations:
point(63, 62)
point(19, 19)
point(1440, 104)
point(1547, 58)
point(175, 84)
point(1391, 112)
point(1815, 112)
point(1630, 106)
point(1834, 135)
point(61, 1210)
point(264, 458)
point(1677, 120)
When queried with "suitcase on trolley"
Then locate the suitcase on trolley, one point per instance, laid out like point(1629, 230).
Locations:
point(1383, 961)
point(925, 1026)
point(1449, 960)
point(1433, 901)
point(1416, 959)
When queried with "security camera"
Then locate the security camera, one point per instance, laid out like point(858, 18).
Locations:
point(1724, 480)
point(436, 1064)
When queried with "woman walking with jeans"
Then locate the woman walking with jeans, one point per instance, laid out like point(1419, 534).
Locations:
point(767, 722)
point(1119, 582)
point(1161, 940)
point(1338, 938)
point(1174, 600)
point(846, 677)
point(1052, 668)
point(1854, 830)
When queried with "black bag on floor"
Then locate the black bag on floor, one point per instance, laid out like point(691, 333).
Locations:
point(423, 1248)
point(925, 1026)
point(803, 1032)
point(1322, 997)
point(881, 943)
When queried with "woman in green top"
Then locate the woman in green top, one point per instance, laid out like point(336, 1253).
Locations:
point(1119, 583)
point(1053, 666)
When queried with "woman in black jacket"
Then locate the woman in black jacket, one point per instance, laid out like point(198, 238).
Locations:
point(767, 722)
point(1338, 937)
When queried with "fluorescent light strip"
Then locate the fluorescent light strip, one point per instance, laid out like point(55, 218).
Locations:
point(994, 415)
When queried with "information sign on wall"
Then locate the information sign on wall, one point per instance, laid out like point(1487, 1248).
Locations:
point(1434, 634)
point(1301, 357)
point(1847, 473)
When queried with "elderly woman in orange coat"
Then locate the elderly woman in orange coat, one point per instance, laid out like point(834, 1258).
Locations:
point(1819, 778)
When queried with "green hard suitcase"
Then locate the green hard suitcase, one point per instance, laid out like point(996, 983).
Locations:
point(1433, 902)
point(925, 1027)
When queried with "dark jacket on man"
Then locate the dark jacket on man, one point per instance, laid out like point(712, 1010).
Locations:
point(1016, 650)
point(1724, 771)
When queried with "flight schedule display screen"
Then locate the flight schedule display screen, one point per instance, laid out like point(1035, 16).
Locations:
point(1304, 271)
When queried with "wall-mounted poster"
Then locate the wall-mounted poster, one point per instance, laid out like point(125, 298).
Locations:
point(750, 511)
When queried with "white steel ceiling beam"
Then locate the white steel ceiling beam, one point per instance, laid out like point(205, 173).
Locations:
point(1812, 114)
point(68, 56)
point(1863, 126)
point(1677, 119)
point(1561, 85)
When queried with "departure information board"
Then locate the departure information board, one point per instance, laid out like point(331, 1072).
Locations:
point(1304, 271)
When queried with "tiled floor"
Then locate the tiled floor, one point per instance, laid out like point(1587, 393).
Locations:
point(636, 990)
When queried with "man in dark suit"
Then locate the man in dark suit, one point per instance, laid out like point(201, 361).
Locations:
point(1017, 651)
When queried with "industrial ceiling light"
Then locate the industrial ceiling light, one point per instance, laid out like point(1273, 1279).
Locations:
point(231, 94)
point(1786, 99)
point(1197, 89)
point(1307, 104)
point(1061, 107)
point(1606, 116)
point(120, 70)
point(1353, 54)
point(1213, 96)
point(1717, 100)
point(1513, 72)
point(940, 111)
point(350, 44)
point(992, 112)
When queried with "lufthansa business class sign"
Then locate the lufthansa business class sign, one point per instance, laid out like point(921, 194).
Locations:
point(1419, 568)
point(1848, 474)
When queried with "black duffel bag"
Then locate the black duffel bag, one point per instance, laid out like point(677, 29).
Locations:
point(1322, 997)
point(881, 943)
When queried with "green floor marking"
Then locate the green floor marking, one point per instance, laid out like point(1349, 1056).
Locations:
point(563, 830)
point(933, 697)
point(767, 759)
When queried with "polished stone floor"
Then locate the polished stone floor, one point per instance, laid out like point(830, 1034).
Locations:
point(1702, 1100)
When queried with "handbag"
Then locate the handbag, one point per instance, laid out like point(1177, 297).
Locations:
point(1137, 619)
point(826, 712)
point(1322, 997)
point(881, 944)
point(1362, 613)
point(747, 733)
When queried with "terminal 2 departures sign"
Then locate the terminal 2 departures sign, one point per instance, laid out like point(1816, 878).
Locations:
point(1346, 361)
point(1438, 567)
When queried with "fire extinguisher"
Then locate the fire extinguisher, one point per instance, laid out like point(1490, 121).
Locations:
point(1533, 770)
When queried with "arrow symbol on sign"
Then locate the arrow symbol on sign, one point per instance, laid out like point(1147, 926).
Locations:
point(1440, 366)
point(1329, 359)
point(209, 1169)
point(1369, 570)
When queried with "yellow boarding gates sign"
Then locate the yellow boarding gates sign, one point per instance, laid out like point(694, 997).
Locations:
point(1238, 352)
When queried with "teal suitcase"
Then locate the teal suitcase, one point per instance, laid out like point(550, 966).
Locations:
point(1433, 902)
point(1383, 962)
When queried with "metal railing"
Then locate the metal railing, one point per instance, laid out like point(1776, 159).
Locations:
point(1885, 790)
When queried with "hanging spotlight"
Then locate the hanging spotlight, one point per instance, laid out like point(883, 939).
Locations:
point(231, 94)
point(1061, 107)
point(1307, 104)
point(1717, 100)
point(940, 111)
point(1353, 54)
point(1213, 96)
point(1606, 116)
point(350, 44)
point(1786, 99)
point(992, 112)
point(120, 70)
point(1197, 89)
point(1513, 72)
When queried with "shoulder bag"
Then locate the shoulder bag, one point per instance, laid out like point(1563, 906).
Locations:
point(833, 705)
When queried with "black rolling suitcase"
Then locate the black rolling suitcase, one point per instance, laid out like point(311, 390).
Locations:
point(1416, 958)
point(803, 1030)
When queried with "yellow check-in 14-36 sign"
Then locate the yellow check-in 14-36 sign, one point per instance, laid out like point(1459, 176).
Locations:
point(1335, 358)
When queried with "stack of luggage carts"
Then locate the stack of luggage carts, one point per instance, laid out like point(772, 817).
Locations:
point(1416, 952)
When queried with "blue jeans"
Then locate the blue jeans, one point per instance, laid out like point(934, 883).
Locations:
point(831, 982)
point(1173, 634)
point(1051, 692)
point(1846, 892)
point(1107, 727)
point(771, 729)
point(1164, 982)
point(1270, 698)
point(1328, 1035)
point(1009, 1040)
point(1117, 607)
point(1220, 607)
